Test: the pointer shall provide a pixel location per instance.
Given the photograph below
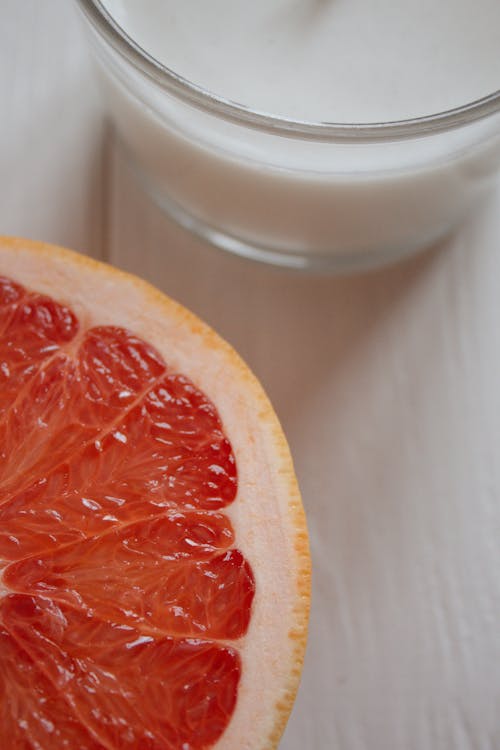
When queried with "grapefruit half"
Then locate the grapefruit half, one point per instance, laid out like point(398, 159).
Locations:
point(154, 563)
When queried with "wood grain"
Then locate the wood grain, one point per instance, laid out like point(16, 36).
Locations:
point(51, 150)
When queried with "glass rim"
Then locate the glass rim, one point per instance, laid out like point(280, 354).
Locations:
point(200, 97)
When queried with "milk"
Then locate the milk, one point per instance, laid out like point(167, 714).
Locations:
point(292, 200)
point(326, 60)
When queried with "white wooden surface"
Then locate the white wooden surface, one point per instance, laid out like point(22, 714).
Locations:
point(388, 387)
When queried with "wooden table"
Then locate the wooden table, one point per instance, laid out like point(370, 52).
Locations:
point(388, 387)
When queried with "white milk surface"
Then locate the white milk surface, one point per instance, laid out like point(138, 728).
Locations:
point(326, 60)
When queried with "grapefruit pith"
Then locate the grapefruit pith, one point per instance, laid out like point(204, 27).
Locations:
point(154, 588)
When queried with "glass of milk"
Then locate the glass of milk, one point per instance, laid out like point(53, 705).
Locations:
point(314, 134)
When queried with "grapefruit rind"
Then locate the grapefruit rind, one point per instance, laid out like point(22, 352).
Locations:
point(268, 516)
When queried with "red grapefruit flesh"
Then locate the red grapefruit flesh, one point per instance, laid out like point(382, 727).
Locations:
point(130, 553)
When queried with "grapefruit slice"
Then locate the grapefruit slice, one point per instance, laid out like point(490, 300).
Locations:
point(154, 563)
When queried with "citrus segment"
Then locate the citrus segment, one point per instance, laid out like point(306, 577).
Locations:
point(178, 581)
point(103, 670)
point(33, 327)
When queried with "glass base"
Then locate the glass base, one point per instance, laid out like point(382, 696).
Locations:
point(332, 263)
